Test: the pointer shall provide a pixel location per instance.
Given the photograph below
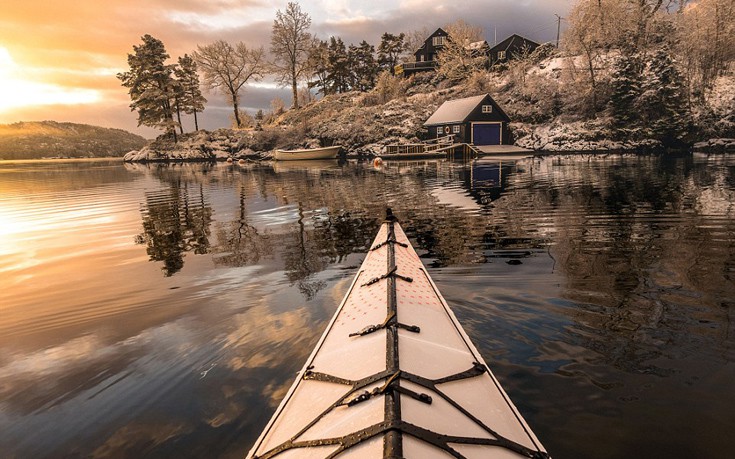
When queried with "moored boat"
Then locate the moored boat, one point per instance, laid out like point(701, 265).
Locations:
point(395, 376)
point(307, 153)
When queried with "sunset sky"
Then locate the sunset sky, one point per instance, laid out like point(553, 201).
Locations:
point(58, 59)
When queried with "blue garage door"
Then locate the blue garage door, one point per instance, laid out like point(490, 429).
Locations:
point(486, 134)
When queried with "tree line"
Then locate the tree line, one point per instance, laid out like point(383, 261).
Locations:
point(161, 92)
point(649, 64)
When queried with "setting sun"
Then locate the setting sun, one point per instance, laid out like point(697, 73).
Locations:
point(17, 91)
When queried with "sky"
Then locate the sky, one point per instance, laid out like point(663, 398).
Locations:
point(59, 58)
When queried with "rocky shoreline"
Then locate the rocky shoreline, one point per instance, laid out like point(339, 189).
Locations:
point(363, 123)
point(231, 144)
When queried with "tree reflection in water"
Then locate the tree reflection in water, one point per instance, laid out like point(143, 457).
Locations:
point(174, 223)
point(238, 242)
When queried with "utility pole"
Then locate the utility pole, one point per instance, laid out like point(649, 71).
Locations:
point(558, 29)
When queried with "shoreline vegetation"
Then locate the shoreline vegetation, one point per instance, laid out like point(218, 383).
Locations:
point(632, 76)
point(364, 124)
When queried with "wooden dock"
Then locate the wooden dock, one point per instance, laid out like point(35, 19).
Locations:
point(442, 147)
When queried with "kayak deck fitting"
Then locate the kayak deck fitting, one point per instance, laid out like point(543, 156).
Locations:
point(395, 376)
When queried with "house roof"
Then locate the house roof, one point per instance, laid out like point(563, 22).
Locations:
point(505, 44)
point(438, 32)
point(457, 111)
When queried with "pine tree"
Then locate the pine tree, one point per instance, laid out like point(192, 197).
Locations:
point(178, 97)
point(363, 69)
point(338, 74)
point(191, 100)
point(625, 86)
point(390, 48)
point(662, 103)
point(318, 66)
point(151, 86)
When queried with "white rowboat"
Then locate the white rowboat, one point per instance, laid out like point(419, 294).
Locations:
point(395, 376)
point(309, 153)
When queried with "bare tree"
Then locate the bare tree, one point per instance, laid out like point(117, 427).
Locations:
point(596, 27)
point(413, 41)
point(459, 57)
point(290, 43)
point(706, 46)
point(228, 68)
point(644, 11)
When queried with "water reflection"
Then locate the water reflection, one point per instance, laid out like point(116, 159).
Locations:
point(239, 243)
point(605, 281)
point(175, 221)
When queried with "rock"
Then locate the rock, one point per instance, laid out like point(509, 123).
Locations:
point(715, 146)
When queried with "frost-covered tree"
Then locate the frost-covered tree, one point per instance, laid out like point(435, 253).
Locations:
point(390, 49)
point(389, 87)
point(290, 43)
point(363, 69)
point(191, 100)
point(706, 42)
point(228, 68)
point(596, 27)
point(457, 59)
point(625, 86)
point(151, 85)
point(662, 104)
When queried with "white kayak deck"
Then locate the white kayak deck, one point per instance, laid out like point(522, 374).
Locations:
point(395, 376)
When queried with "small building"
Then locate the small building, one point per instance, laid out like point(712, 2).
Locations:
point(477, 120)
point(511, 48)
point(425, 55)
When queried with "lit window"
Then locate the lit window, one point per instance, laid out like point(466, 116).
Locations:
point(487, 109)
point(501, 55)
point(440, 130)
point(455, 129)
point(438, 41)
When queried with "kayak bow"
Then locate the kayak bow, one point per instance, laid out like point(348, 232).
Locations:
point(395, 376)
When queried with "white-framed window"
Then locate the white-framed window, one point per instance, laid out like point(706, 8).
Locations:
point(438, 41)
point(440, 130)
point(455, 129)
point(487, 109)
point(501, 55)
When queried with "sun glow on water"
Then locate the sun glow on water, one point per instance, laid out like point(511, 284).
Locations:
point(17, 91)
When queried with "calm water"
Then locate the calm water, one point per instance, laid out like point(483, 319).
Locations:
point(161, 311)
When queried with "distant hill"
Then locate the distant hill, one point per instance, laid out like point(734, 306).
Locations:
point(43, 139)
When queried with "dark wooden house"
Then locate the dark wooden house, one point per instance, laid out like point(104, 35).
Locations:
point(511, 48)
point(477, 120)
point(425, 55)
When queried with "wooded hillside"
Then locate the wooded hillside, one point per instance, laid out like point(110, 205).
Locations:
point(43, 139)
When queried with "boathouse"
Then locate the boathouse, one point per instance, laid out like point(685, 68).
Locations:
point(477, 120)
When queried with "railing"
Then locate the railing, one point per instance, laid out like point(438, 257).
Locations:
point(428, 146)
point(400, 68)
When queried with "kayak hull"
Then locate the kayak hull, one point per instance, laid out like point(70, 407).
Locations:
point(395, 375)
